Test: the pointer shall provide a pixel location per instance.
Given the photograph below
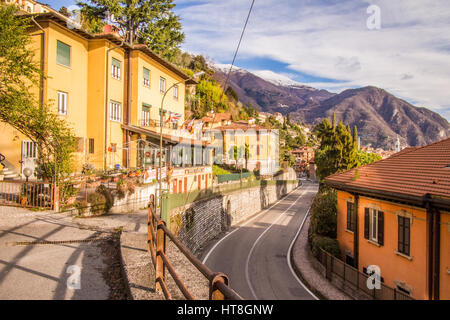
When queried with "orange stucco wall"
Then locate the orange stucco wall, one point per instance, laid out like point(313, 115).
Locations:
point(395, 268)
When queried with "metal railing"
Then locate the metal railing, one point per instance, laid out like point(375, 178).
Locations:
point(157, 236)
point(354, 282)
point(27, 194)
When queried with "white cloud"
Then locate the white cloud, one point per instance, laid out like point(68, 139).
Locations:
point(409, 56)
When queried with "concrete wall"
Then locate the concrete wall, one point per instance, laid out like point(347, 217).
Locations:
point(199, 222)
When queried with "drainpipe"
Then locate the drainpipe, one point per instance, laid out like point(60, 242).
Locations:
point(42, 78)
point(437, 252)
point(129, 100)
point(430, 223)
point(356, 234)
point(106, 102)
point(434, 247)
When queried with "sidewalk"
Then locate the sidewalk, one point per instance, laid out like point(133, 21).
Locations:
point(303, 263)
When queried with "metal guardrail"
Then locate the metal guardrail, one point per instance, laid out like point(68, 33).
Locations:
point(353, 280)
point(156, 245)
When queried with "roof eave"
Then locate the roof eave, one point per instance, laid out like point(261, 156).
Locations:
point(420, 201)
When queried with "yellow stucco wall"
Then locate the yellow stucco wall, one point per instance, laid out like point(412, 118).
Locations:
point(84, 81)
point(152, 95)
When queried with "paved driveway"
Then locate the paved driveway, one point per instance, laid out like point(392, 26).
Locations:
point(41, 271)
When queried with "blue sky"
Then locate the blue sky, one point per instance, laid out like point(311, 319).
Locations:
point(330, 44)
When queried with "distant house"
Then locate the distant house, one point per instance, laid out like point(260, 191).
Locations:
point(302, 155)
point(262, 146)
point(279, 117)
point(263, 116)
point(395, 214)
point(213, 120)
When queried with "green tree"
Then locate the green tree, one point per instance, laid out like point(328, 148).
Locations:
point(337, 150)
point(19, 106)
point(151, 22)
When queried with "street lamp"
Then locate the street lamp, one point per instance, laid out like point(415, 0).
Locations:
point(161, 120)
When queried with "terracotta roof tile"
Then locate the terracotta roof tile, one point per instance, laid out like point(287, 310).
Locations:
point(413, 172)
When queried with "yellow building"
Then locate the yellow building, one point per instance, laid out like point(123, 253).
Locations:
point(246, 145)
point(29, 6)
point(109, 92)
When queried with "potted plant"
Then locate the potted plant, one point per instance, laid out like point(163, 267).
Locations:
point(23, 200)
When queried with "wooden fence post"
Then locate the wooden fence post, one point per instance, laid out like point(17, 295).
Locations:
point(160, 248)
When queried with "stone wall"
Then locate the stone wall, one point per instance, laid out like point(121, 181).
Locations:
point(197, 223)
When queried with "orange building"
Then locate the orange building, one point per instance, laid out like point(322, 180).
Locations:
point(395, 214)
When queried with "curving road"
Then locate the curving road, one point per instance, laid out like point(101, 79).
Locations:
point(255, 256)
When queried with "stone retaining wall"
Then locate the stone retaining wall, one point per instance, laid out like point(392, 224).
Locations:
point(199, 222)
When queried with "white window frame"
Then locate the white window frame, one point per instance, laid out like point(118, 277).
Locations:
point(29, 149)
point(62, 103)
point(116, 71)
point(162, 85)
point(115, 111)
point(175, 92)
point(145, 116)
point(146, 82)
point(373, 224)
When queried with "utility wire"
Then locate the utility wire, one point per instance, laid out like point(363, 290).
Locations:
point(237, 49)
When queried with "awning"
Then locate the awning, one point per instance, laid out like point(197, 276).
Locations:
point(166, 138)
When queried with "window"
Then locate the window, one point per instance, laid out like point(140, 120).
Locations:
point(91, 146)
point(175, 92)
point(145, 115)
point(374, 225)
point(146, 80)
point(80, 144)
point(162, 85)
point(62, 53)
point(62, 103)
point(350, 216)
point(29, 149)
point(115, 112)
point(404, 227)
point(116, 68)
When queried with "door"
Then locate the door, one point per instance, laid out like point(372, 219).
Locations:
point(29, 155)
point(199, 182)
point(174, 186)
point(206, 181)
point(185, 185)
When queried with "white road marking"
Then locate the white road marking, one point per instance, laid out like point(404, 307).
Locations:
point(288, 257)
point(247, 222)
point(247, 275)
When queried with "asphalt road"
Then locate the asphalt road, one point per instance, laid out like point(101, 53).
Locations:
point(255, 254)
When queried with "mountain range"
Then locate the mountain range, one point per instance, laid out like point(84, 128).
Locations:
point(378, 114)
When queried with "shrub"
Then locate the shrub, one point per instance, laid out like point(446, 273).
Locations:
point(328, 244)
point(324, 214)
point(81, 206)
point(109, 198)
point(97, 202)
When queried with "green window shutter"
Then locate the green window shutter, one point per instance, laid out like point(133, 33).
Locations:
point(146, 74)
point(115, 63)
point(62, 53)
